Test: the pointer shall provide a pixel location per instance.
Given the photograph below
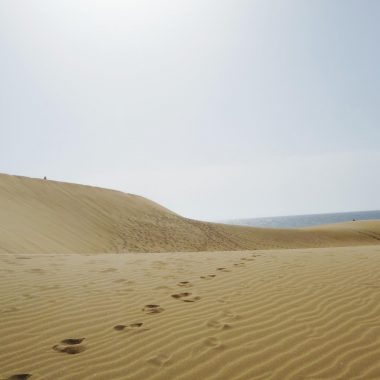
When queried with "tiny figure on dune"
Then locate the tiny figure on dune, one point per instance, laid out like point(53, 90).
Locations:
point(45, 178)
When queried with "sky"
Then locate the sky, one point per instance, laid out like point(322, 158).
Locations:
point(215, 109)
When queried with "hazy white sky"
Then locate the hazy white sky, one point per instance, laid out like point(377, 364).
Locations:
point(216, 109)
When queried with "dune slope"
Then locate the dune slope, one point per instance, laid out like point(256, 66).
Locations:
point(40, 216)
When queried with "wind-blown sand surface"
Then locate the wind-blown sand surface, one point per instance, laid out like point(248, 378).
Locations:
point(40, 216)
point(280, 314)
point(73, 307)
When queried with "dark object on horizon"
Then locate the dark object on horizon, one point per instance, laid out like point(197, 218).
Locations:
point(353, 220)
point(45, 178)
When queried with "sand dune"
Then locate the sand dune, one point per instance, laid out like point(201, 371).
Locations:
point(309, 313)
point(280, 314)
point(39, 216)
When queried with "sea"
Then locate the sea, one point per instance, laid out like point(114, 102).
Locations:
point(298, 221)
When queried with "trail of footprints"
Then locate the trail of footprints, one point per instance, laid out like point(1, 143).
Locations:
point(73, 346)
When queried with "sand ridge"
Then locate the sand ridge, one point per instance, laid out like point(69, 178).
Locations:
point(273, 314)
point(43, 216)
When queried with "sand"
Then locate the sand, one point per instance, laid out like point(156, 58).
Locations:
point(274, 314)
point(99, 284)
point(40, 216)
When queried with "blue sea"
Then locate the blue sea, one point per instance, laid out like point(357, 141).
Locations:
point(297, 221)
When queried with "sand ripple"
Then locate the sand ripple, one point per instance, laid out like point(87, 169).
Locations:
point(291, 314)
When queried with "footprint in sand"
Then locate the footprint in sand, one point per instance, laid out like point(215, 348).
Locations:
point(71, 350)
point(185, 297)
point(219, 325)
point(152, 309)
point(70, 346)
point(185, 284)
point(19, 376)
point(210, 343)
point(73, 341)
point(119, 327)
point(159, 360)
point(208, 277)
point(223, 269)
point(229, 315)
point(136, 325)
point(132, 326)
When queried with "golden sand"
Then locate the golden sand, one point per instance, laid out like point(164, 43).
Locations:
point(280, 314)
point(40, 216)
point(73, 308)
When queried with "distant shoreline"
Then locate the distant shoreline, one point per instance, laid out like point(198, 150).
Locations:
point(307, 220)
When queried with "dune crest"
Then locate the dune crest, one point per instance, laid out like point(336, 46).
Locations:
point(42, 216)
